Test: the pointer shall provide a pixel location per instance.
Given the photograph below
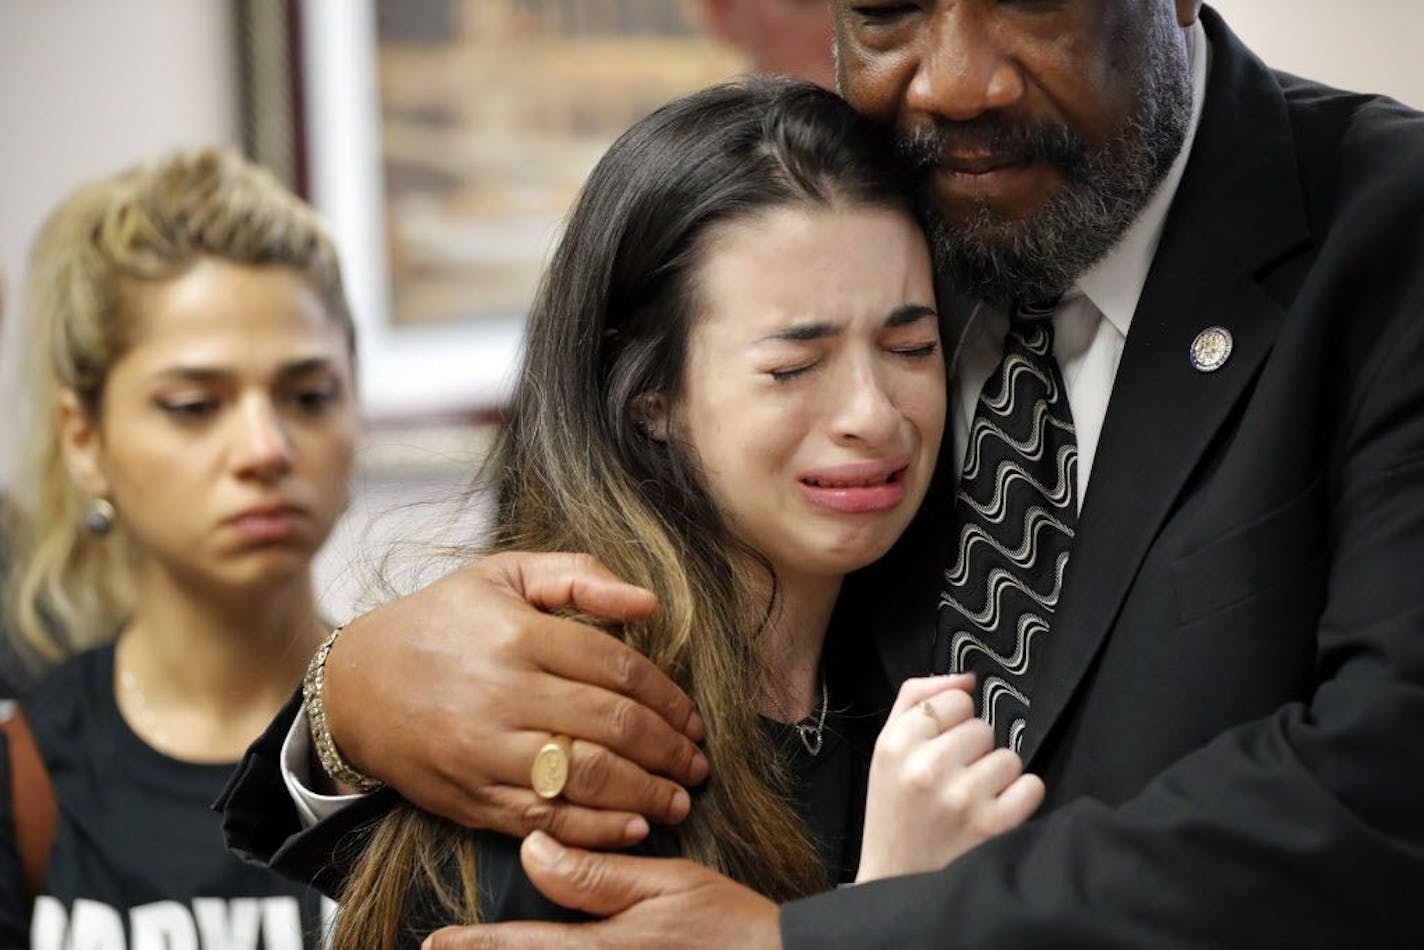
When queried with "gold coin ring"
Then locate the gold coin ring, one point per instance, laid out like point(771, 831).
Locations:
point(550, 771)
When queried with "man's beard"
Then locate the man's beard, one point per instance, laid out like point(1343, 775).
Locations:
point(992, 256)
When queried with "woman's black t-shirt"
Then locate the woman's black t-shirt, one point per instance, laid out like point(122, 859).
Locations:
point(138, 857)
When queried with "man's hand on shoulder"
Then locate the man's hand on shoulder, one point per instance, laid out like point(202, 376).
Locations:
point(447, 694)
point(648, 902)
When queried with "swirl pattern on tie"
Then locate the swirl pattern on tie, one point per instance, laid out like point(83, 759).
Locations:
point(1015, 514)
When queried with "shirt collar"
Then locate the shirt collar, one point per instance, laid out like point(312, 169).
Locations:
point(1114, 284)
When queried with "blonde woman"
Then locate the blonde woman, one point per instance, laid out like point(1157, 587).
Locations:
point(195, 429)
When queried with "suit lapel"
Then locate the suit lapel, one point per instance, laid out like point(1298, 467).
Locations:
point(1237, 210)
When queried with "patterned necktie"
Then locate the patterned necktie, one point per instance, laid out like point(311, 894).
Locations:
point(1016, 512)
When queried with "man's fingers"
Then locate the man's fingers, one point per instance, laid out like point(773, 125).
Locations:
point(917, 690)
point(573, 651)
point(597, 779)
point(518, 811)
point(623, 726)
point(581, 654)
point(601, 884)
point(556, 581)
point(578, 652)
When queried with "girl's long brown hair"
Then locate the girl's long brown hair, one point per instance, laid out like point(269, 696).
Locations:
point(574, 471)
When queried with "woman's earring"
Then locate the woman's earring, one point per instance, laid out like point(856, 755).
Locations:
point(99, 517)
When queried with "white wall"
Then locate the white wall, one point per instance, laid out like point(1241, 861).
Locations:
point(87, 87)
point(1365, 45)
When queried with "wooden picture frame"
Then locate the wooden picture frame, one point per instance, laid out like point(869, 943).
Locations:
point(478, 97)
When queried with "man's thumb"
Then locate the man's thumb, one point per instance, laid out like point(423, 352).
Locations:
point(597, 883)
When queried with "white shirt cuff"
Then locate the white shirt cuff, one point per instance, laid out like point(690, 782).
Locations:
point(296, 773)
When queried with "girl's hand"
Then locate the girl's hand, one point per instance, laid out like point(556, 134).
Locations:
point(938, 787)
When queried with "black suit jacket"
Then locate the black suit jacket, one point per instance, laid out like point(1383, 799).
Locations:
point(1229, 713)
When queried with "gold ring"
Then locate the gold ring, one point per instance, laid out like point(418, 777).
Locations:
point(928, 710)
point(550, 771)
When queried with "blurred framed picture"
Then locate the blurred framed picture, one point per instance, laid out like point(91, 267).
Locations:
point(445, 140)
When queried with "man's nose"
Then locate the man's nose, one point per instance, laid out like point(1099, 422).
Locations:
point(262, 446)
point(963, 72)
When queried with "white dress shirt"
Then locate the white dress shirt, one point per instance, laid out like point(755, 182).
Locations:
point(1090, 329)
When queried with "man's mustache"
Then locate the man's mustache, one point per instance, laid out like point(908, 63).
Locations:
point(929, 148)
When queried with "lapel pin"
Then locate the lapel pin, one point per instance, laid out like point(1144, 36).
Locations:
point(1211, 349)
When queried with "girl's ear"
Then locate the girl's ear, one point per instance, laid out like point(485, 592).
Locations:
point(81, 446)
point(649, 411)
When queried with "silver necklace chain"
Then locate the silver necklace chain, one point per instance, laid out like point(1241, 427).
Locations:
point(812, 734)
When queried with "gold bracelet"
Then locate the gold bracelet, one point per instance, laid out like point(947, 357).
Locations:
point(331, 761)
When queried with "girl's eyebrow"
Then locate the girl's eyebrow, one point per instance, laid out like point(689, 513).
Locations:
point(819, 330)
point(803, 332)
point(910, 313)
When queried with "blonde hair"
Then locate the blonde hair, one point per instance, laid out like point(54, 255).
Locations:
point(71, 589)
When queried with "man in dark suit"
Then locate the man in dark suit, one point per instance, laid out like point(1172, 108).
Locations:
point(1228, 705)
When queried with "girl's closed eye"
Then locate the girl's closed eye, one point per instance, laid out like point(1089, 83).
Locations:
point(789, 373)
point(919, 350)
